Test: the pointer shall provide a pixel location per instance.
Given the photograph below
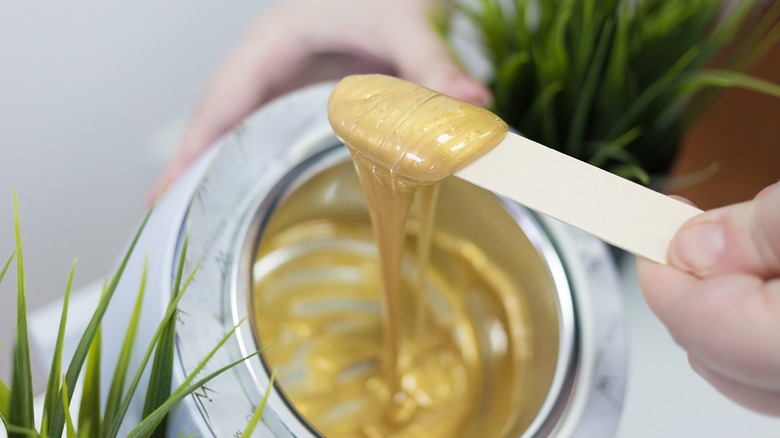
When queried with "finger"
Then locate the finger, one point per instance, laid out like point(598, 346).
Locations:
point(727, 320)
point(291, 36)
point(174, 170)
point(421, 56)
point(762, 400)
point(239, 86)
point(739, 238)
point(271, 61)
point(248, 77)
point(767, 190)
point(683, 199)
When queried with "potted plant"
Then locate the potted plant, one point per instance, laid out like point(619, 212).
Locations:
point(617, 83)
point(93, 417)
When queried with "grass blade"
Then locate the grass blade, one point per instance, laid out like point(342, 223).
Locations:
point(615, 150)
point(731, 79)
point(250, 428)
point(113, 430)
point(587, 94)
point(675, 183)
point(21, 411)
point(71, 431)
point(5, 393)
point(506, 72)
point(161, 377)
point(89, 410)
point(55, 371)
point(152, 420)
point(208, 357)
point(21, 431)
point(5, 401)
point(8, 263)
point(120, 373)
point(631, 172)
point(194, 373)
point(648, 96)
point(80, 355)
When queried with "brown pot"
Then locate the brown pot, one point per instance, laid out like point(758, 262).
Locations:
point(741, 133)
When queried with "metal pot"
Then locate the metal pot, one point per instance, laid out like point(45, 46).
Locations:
point(284, 166)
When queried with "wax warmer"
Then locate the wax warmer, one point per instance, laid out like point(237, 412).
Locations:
point(562, 369)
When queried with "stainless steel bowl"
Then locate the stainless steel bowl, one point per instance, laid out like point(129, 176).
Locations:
point(324, 189)
point(284, 165)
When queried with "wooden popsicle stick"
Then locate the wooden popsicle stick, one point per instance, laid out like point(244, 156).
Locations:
point(618, 211)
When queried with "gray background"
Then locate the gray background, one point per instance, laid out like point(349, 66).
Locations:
point(92, 98)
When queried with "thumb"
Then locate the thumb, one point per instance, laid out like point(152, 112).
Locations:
point(738, 238)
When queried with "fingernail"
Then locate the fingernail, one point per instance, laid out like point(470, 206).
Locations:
point(699, 247)
point(767, 190)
